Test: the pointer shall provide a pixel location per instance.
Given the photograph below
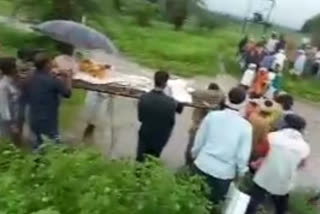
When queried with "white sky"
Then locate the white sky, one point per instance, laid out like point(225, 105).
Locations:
point(291, 13)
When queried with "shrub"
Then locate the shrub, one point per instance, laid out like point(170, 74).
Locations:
point(299, 203)
point(142, 10)
point(78, 181)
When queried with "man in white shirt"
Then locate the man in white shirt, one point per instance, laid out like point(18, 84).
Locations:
point(280, 59)
point(248, 76)
point(272, 43)
point(222, 146)
point(288, 152)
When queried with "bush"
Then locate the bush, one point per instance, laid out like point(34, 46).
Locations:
point(79, 181)
point(142, 10)
point(299, 203)
point(13, 39)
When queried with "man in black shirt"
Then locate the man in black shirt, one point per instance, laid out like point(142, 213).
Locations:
point(156, 112)
point(42, 93)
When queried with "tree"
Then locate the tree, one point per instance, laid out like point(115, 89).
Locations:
point(178, 10)
point(59, 9)
point(313, 26)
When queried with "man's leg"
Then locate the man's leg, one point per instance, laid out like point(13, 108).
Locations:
point(218, 187)
point(88, 132)
point(281, 203)
point(188, 155)
point(141, 151)
point(258, 195)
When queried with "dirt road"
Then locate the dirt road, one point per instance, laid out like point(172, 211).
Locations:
point(126, 125)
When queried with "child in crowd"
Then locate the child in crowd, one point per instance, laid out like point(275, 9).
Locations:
point(8, 98)
point(248, 76)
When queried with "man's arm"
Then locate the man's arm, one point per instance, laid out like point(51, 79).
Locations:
point(64, 84)
point(140, 110)
point(201, 137)
point(244, 151)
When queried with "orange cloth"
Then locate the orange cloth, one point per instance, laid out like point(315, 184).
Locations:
point(261, 128)
point(260, 84)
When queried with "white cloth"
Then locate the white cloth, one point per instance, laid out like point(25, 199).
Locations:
point(8, 94)
point(271, 45)
point(299, 64)
point(287, 150)
point(95, 102)
point(219, 152)
point(280, 59)
point(178, 90)
point(248, 77)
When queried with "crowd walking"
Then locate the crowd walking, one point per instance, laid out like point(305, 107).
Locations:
point(264, 136)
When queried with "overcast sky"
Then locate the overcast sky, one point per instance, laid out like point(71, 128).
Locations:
point(291, 13)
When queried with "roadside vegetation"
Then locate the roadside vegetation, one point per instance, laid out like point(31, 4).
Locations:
point(80, 181)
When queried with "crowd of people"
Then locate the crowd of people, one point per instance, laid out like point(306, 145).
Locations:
point(266, 139)
point(268, 59)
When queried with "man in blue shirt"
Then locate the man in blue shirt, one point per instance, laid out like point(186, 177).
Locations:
point(42, 93)
point(223, 145)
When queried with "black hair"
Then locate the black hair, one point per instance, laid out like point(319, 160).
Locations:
point(8, 65)
point(28, 54)
point(237, 95)
point(286, 101)
point(161, 78)
point(213, 86)
point(268, 103)
point(295, 121)
point(42, 60)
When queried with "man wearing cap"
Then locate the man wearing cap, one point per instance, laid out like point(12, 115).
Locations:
point(216, 97)
point(220, 155)
point(248, 76)
point(288, 152)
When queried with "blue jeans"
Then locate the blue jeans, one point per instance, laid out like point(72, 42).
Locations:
point(52, 135)
point(218, 187)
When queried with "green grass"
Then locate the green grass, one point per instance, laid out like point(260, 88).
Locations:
point(190, 52)
point(299, 203)
point(71, 108)
point(186, 53)
point(6, 7)
point(307, 88)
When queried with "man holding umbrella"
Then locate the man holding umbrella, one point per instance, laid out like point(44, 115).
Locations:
point(42, 93)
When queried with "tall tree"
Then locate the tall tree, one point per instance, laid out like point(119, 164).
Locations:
point(178, 10)
point(59, 9)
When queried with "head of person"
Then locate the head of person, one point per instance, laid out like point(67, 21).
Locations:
point(236, 98)
point(28, 54)
point(260, 47)
point(252, 66)
point(296, 122)
point(161, 79)
point(285, 101)
point(66, 49)
point(8, 66)
point(43, 62)
point(252, 107)
point(281, 51)
point(274, 35)
point(266, 107)
point(213, 86)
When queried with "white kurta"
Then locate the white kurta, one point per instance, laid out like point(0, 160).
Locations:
point(287, 150)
